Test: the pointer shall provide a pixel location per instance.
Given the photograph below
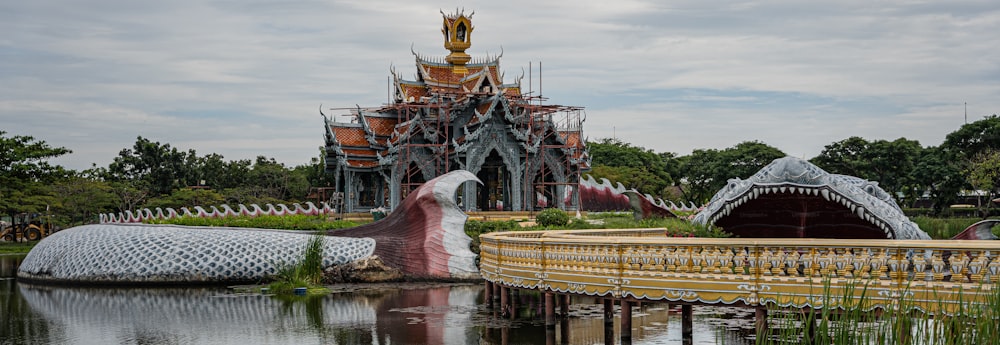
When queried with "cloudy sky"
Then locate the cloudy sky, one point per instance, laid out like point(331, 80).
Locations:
point(246, 78)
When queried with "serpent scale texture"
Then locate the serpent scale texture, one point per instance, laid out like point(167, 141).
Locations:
point(111, 253)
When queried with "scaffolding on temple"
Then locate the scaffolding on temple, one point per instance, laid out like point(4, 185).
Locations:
point(459, 114)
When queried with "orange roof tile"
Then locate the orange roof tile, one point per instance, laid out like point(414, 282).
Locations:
point(381, 126)
point(483, 108)
point(415, 91)
point(474, 69)
point(493, 73)
point(350, 136)
point(571, 138)
point(442, 74)
point(471, 84)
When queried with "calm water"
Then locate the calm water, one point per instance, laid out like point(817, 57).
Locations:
point(390, 314)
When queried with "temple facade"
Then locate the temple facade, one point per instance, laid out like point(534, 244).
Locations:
point(459, 113)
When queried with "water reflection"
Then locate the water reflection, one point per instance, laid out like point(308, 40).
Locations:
point(214, 316)
point(389, 314)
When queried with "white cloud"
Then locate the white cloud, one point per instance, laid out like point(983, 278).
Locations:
point(245, 78)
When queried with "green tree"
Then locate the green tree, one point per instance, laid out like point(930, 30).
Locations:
point(80, 199)
point(939, 174)
point(963, 146)
point(633, 167)
point(187, 197)
point(706, 171)
point(984, 175)
point(158, 168)
point(25, 173)
point(315, 173)
point(276, 181)
point(889, 163)
point(974, 138)
point(746, 158)
point(845, 157)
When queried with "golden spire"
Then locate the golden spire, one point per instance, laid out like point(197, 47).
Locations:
point(457, 30)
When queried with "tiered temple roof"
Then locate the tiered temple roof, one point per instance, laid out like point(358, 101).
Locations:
point(457, 106)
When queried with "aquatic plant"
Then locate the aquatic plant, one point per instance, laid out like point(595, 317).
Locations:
point(307, 273)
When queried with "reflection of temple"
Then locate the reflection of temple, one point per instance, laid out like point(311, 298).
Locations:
point(458, 114)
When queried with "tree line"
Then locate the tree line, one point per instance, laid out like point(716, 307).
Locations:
point(152, 174)
point(149, 174)
point(967, 160)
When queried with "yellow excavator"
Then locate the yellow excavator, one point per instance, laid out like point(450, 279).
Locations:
point(27, 227)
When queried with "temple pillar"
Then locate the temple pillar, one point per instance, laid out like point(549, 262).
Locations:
point(394, 189)
point(469, 196)
point(516, 188)
point(348, 191)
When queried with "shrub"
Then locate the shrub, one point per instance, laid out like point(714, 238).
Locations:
point(552, 217)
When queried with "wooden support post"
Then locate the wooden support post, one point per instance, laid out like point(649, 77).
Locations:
point(550, 335)
point(550, 311)
point(504, 301)
point(488, 297)
point(515, 294)
point(687, 324)
point(609, 311)
point(626, 320)
point(564, 305)
point(809, 326)
point(564, 331)
point(760, 319)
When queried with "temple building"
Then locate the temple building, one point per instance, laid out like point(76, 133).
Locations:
point(459, 113)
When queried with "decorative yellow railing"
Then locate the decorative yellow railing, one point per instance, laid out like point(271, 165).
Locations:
point(933, 276)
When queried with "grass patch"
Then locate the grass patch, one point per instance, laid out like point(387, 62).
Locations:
point(943, 228)
point(16, 247)
point(289, 222)
point(620, 220)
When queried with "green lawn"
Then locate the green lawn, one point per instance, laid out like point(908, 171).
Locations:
point(16, 248)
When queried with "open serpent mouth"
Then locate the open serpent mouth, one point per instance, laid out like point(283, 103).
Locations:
point(789, 210)
point(791, 197)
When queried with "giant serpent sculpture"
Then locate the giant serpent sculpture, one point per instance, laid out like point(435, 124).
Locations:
point(424, 237)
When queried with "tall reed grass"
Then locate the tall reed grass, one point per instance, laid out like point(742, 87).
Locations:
point(307, 273)
point(856, 322)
